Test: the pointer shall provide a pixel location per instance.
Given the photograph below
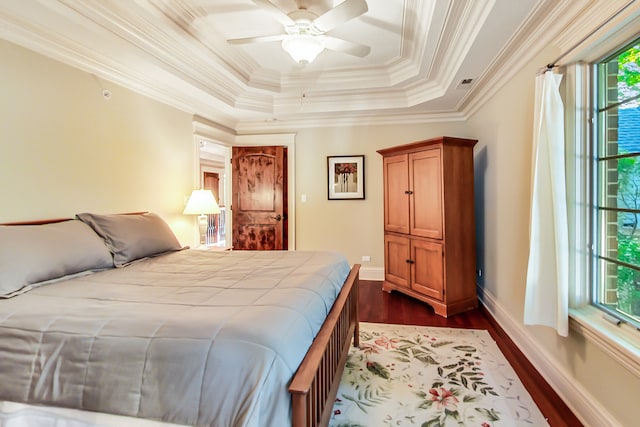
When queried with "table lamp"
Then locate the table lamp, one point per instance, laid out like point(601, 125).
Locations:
point(201, 203)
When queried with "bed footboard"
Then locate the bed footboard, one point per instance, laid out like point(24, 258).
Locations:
point(315, 384)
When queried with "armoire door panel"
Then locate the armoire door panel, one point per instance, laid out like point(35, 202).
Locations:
point(396, 264)
point(427, 269)
point(396, 185)
point(426, 201)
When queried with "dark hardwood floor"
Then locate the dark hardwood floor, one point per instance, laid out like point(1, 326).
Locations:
point(382, 307)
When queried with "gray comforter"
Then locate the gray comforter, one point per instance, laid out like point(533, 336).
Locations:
point(198, 338)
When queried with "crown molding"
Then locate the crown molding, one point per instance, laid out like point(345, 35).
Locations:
point(206, 129)
point(196, 71)
point(610, 33)
point(543, 26)
point(584, 22)
point(341, 120)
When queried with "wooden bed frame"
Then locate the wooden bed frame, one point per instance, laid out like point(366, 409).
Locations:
point(314, 387)
point(315, 384)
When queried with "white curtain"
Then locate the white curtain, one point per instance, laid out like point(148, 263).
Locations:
point(547, 291)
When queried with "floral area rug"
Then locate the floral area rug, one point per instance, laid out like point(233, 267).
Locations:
point(430, 377)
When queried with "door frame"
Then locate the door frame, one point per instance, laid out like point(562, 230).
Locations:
point(212, 135)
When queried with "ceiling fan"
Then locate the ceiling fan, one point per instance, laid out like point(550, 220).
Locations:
point(304, 34)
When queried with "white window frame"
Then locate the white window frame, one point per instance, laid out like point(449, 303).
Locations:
point(620, 341)
point(600, 144)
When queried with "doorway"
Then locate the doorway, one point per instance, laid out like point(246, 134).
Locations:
point(216, 230)
point(214, 155)
point(214, 175)
point(260, 198)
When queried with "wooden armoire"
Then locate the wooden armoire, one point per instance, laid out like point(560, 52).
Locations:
point(429, 223)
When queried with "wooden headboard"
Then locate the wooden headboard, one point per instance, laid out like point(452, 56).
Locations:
point(37, 222)
point(54, 220)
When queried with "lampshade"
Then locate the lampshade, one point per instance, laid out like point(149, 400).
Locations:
point(201, 202)
point(303, 48)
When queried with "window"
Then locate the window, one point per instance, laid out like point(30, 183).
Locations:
point(616, 185)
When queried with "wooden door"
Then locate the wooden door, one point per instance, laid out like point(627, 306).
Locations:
point(259, 200)
point(427, 272)
point(211, 181)
point(425, 182)
point(396, 196)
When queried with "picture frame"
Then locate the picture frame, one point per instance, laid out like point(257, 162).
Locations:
point(345, 177)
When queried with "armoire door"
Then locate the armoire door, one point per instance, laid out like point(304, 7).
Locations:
point(427, 268)
point(396, 201)
point(397, 260)
point(425, 183)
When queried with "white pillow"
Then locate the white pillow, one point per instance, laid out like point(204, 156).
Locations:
point(35, 253)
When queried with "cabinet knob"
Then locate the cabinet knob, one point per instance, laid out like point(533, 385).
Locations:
point(410, 261)
point(408, 192)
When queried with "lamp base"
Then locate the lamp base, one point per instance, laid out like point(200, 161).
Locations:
point(203, 224)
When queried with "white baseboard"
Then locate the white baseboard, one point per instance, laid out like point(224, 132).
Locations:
point(590, 412)
point(372, 273)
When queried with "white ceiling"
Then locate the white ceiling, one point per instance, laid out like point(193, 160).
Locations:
point(176, 51)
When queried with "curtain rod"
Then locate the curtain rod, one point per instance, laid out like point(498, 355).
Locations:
point(554, 63)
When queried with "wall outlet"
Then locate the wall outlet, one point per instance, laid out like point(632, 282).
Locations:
point(366, 258)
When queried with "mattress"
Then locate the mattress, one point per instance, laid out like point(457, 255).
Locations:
point(198, 338)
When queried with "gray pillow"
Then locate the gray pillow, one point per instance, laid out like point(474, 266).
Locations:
point(131, 237)
point(35, 253)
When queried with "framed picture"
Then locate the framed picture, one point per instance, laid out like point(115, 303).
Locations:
point(346, 177)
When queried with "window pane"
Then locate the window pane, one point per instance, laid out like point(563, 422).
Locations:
point(620, 77)
point(607, 291)
point(628, 127)
point(629, 245)
point(629, 73)
point(617, 186)
point(620, 290)
point(621, 236)
point(620, 186)
point(628, 292)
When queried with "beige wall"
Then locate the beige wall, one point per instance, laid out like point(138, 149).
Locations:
point(64, 149)
point(503, 178)
point(353, 227)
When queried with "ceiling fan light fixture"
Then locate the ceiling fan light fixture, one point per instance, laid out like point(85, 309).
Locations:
point(303, 48)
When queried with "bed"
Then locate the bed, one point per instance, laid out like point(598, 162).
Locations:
point(107, 315)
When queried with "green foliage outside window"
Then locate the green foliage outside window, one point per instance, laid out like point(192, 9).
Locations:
point(628, 64)
point(628, 289)
point(628, 235)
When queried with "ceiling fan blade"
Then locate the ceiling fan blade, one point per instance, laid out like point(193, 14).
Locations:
point(260, 39)
point(345, 46)
point(343, 12)
point(275, 11)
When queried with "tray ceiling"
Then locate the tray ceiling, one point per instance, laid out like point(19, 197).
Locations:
point(429, 60)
